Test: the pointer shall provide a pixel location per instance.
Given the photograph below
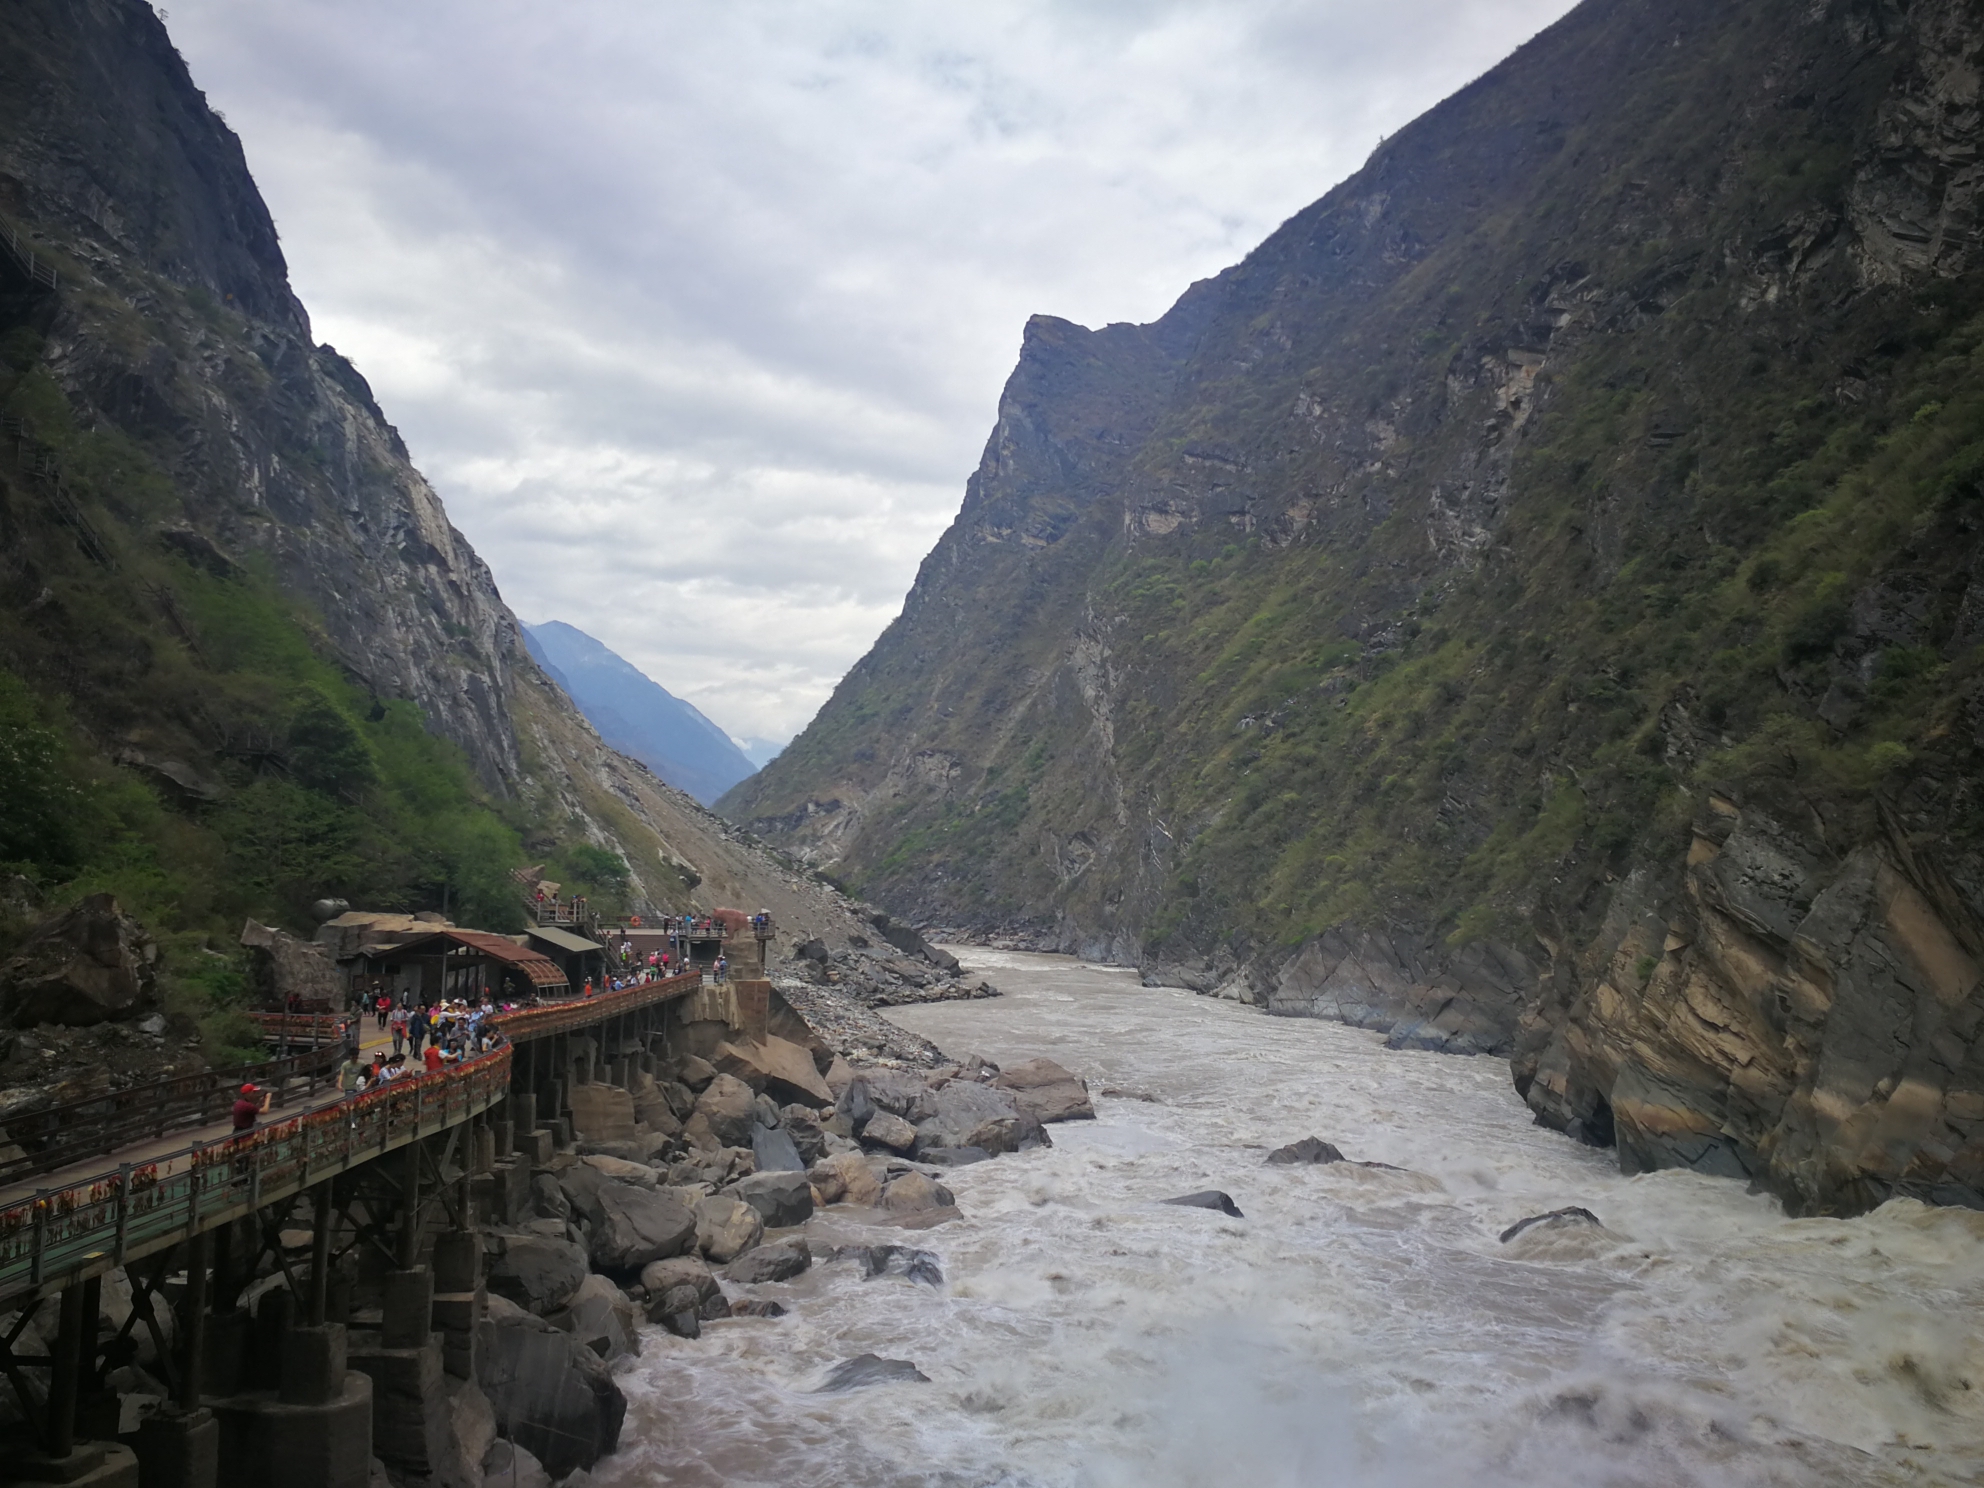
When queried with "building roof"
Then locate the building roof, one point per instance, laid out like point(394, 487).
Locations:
point(540, 970)
point(565, 940)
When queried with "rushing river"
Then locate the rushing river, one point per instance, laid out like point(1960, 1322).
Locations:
point(1359, 1327)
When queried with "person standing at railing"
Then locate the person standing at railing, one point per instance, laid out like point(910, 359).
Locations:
point(249, 1105)
point(351, 1076)
point(722, 967)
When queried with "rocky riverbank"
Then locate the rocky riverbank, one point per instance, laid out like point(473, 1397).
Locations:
point(704, 1208)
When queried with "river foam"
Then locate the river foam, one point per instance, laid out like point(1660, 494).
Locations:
point(1360, 1326)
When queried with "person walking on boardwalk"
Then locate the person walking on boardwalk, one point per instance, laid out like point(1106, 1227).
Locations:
point(722, 967)
point(416, 1031)
point(396, 1021)
point(351, 1075)
point(348, 1032)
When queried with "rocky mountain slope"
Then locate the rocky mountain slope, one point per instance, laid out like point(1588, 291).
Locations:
point(1530, 605)
point(637, 715)
point(245, 659)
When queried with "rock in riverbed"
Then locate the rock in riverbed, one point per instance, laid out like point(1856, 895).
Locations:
point(1210, 1198)
point(1570, 1218)
point(886, 1129)
point(1308, 1150)
point(782, 1199)
point(1046, 1091)
point(780, 1261)
point(726, 1228)
point(632, 1226)
point(868, 1369)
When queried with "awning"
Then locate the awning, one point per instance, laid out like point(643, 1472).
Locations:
point(564, 940)
point(539, 970)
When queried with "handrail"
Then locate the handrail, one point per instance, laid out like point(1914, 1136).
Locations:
point(55, 1136)
point(577, 1012)
point(322, 1028)
point(58, 1237)
point(37, 271)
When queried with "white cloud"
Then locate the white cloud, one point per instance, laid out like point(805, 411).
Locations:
point(697, 314)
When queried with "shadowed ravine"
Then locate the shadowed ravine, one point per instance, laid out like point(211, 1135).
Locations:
point(1359, 1326)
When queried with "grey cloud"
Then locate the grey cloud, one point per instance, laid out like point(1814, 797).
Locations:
point(697, 315)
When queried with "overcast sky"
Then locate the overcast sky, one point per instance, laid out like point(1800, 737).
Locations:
point(696, 314)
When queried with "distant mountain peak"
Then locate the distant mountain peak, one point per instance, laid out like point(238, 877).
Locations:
point(637, 715)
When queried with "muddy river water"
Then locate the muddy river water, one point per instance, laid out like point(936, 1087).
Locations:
point(1359, 1326)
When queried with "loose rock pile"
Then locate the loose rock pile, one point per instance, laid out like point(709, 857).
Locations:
point(713, 1212)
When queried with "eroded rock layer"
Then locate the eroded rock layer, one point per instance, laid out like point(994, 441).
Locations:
point(1529, 606)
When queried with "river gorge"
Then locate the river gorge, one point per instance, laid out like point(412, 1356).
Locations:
point(1361, 1325)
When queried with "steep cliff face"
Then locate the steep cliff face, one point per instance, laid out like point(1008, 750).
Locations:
point(1394, 630)
point(238, 617)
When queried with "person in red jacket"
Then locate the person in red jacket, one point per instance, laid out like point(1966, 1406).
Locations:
point(251, 1103)
point(432, 1058)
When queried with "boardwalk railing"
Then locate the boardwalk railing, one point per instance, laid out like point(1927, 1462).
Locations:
point(59, 1237)
point(580, 1012)
point(38, 269)
point(56, 1136)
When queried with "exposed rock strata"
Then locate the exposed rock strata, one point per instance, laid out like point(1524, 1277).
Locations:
point(1358, 639)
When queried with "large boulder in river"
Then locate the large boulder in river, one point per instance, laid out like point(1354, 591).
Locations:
point(92, 963)
point(1310, 1151)
point(781, 1069)
point(632, 1226)
point(947, 1115)
point(1045, 1091)
point(886, 1129)
point(913, 1193)
point(780, 1261)
point(724, 1110)
point(847, 1178)
point(621, 1170)
point(537, 1273)
point(551, 1394)
point(727, 1227)
point(781, 1198)
point(684, 1283)
point(604, 1319)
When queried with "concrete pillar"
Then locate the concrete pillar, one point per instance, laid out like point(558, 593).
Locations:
point(502, 1141)
point(177, 1450)
point(482, 1147)
point(523, 1112)
point(313, 1365)
point(407, 1317)
point(267, 1441)
point(457, 1261)
point(87, 1465)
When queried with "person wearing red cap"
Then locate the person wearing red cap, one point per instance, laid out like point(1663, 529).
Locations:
point(252, 1102)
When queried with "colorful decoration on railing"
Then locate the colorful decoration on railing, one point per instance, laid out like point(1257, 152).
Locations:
point(219, 1174)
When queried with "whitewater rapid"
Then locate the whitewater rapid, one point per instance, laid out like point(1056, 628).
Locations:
point(1359, 1327)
